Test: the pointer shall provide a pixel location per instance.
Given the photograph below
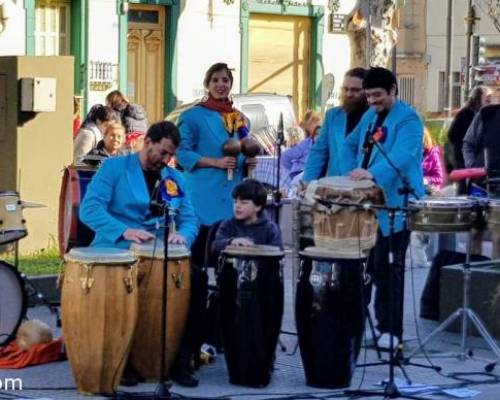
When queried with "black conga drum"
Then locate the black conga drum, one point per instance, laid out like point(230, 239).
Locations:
point(251, 297)
point(329, 314)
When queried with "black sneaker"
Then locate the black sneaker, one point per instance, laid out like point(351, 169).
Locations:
point(184, 378)
point(129, 378)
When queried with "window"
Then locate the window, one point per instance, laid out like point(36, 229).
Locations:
point(406, 86)
point(52, 27)
point(456, 93)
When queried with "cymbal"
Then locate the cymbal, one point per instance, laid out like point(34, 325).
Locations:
point(31, 204)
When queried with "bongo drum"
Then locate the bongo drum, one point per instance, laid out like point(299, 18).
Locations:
point(145, 354)
point(442, 214)
point(340, 228)
point(72, 232)
point(329, 314)
point(12, 223)
point(251, 297)
point(99, 315)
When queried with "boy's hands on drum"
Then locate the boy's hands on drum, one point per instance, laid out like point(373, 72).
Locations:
point(175, 238)
point(360, 174)
point(242, 242)
point(137, 235)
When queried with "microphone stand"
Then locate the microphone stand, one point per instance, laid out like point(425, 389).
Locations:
point(162, 388)
point(280, 139)
point(390, 388)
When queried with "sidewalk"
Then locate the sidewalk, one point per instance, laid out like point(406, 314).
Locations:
point(55, 381)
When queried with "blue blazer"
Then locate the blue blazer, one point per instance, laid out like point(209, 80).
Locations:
point(202, 135)
point(325, 153)
point(117, 198)
point(403, 145)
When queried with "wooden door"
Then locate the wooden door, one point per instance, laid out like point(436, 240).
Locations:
point(279, 57)
point(146, 58)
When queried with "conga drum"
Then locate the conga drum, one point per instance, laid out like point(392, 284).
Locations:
point(73, 232)
point(344, 226)
point(99, 315)
point(329, 315)
point(12, 223)
point(251, 298)
point(145, 354)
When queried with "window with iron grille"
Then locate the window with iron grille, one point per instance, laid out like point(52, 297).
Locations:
point(52, 27)
point(406, 86)
point(456, 93)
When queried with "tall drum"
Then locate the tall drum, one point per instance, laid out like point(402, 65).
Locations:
point(329, 314)
point(99, 315)
point(145, 355)
point(251, 297)
point(72, 232)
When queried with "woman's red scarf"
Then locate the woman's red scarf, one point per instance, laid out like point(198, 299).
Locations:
point(234, 120)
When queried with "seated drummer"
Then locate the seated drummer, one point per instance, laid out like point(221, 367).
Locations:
point(250, 225)
point(118, 204)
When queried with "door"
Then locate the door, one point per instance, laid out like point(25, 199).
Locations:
point(279, 57)
point(146, 58)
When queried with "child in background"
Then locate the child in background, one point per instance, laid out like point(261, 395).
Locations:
point(250, 224)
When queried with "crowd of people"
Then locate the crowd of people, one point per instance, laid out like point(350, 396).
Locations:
point(211, 204)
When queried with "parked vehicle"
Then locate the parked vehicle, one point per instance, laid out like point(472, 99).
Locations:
point(263, 110)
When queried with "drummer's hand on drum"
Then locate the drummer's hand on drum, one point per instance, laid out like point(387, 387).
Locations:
point(242, 242)
point(137, 235)
point(175, 238)
point(360, 174)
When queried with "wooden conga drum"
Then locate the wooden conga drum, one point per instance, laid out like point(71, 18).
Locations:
point(145, 355)
point(99, 315)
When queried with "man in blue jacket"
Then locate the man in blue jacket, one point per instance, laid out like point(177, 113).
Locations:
point(122, 207)
point(398, 130)
point(325, 154)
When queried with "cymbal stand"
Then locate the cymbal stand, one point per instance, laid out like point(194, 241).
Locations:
point(465, 313)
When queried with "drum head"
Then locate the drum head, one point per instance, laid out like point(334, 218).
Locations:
point(99, 255)
point(256, 251)
point(13, 302)
point(320, 253)
point(152, 250)
point(441, 203)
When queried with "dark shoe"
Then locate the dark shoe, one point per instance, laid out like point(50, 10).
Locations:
point(184, 378)
point(129, 378)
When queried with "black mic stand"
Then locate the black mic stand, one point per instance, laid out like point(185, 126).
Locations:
point(390, 388)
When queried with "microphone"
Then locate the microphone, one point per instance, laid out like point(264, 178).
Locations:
point(368, 139)
point(280, 133)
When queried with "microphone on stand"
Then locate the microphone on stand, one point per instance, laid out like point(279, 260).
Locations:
point(280, 140)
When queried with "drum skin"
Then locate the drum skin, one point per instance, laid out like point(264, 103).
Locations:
point(98, 322)
point(12, 223)
point(329, 315)
point(72, 232)
point(251, 313)
point(145, 352)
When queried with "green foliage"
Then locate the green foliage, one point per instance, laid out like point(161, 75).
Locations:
point(46, 261)
point(438, 130)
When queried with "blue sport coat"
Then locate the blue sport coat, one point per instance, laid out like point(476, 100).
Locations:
point(403, 145)
point(117, 198)
point(325, 153)
point(203, 135)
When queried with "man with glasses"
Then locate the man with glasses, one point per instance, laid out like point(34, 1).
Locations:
point(339, 122)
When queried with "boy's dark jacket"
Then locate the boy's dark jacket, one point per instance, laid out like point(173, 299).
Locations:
point(263, 231)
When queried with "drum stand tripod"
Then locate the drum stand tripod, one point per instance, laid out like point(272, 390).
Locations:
point(465, 313)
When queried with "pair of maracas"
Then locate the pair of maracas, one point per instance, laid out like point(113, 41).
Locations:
point(233, 147)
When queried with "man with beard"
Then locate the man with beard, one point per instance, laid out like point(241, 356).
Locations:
point(398, 130)
point(325, 154)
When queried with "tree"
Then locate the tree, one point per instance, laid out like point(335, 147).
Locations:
point(372, 31)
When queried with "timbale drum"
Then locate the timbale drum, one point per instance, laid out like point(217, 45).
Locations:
point(99, 303)
point(251, 297)
point(145, 354)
